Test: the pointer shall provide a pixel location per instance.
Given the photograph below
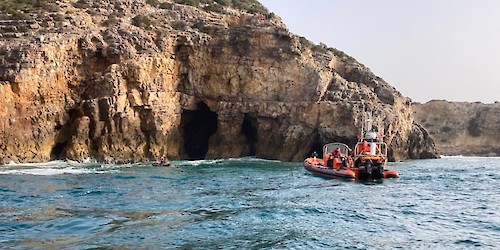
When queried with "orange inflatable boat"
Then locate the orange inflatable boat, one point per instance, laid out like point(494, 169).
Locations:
point(368, 161)
point(330, 165)
point(370, 158)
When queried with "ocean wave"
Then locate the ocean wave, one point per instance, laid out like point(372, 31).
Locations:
point(468, 157)
point(451, 156)
point(42, 164)
point(48, 171)
point(57, 168)
point(254, 159)
point(225, 161)
point(198, 162)
point(91, 166)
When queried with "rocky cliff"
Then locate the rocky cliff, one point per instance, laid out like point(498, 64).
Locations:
point(461, 128)
point(130, 80)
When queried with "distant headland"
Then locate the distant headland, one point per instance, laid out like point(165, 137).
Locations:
point(461, 128)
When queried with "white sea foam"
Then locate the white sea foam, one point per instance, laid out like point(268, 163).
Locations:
point(468, 157)
point(47, 171)
point(199, 162)
point(44, 164)
point(451, 156)
point(254, 159)
point(211, 162)
point(55, 168)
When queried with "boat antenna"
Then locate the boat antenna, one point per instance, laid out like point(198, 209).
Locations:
point(362, 125)
point(362, 129)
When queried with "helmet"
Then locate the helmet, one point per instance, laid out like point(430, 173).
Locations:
point(371, 135)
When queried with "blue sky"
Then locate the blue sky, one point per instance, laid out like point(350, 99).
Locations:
point(427, 49)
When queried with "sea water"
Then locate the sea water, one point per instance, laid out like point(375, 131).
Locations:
point(448, 203)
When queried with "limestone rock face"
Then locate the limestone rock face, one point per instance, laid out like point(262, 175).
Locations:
point(460, 128)
point(126, 81)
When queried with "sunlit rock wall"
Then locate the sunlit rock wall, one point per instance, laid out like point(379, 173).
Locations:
point(190, 84)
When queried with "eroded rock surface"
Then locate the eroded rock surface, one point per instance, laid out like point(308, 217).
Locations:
point(127, 81)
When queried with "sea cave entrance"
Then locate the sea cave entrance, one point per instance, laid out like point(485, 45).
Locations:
point(57, 150)
point(198, 125)
point(248, 129)
point(316, 146)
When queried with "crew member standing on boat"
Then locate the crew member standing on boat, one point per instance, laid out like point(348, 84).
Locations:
point(314, 155)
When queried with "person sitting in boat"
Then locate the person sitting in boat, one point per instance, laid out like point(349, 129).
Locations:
point(364, 148)
point(329, 161)
point(162, 160)
point(337, 153)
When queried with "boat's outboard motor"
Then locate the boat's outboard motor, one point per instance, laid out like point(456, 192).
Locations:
point(368, 169)
point(378, 171)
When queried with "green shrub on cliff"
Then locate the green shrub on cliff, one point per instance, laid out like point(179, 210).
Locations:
point(214, 7)
point(250, 6)
point(161, 5)
point(113, 19)
point(179, 25)
point(321, 48)
point(142, 21)
point(191, 2)
point(207, 29)
point(81, 4)
point(474, 127)
point(305, 42)
point(27, 4)
point(223, 2)
point(19, 9)
point(154, 3)
point(165, 6)
point(446, 129)
point(342, 54)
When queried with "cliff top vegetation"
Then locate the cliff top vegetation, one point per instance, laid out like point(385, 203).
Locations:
point(28, 18)
point(32, 9)
point(26, 9)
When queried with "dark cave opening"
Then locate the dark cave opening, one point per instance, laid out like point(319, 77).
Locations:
point(198, 126)
point(316, 146)
point(57, 150)
point(249, 130)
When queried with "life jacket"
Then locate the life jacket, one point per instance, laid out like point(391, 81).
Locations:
point(366, 147)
